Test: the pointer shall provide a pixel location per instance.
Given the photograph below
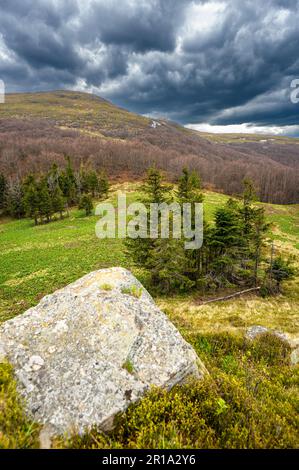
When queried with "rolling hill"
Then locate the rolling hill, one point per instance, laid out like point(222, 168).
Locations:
point(37, 129)
point(249, 399)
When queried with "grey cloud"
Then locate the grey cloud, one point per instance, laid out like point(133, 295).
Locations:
point(243, 63)
point(141, 25)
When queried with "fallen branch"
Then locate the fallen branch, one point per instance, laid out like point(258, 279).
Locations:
point(237, 294)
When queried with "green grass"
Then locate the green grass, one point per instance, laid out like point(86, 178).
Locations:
point(106, 287)
point(35, 261)
point(285, 220)
point(249, 399)
point(128, 366)
point(134, 291)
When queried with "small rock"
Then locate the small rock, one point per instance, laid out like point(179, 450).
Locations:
point(2, 353)
point(294, 357)
point(254, 331)
point(45, 437)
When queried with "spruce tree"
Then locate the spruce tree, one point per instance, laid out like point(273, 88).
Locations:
point(67, 183)
point(45, 206)
point(189, 192)
point(281, 270)
point(261, 227)
point(254, 230)
point(14, 199)
point(225, 244)
point(3, 188)
point(93, 183)
point(165, 259)
point(58, 201)
point(153, 191)
point(86, 204)
point(103, 185)
point(31, 198)
point(167, 265)
point(189, 187)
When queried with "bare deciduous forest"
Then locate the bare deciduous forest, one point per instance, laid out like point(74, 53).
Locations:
point(29, 143)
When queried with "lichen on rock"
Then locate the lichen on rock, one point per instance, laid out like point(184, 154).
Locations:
point(68, 352)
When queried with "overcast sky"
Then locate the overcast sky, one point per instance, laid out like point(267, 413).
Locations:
point(214, 65)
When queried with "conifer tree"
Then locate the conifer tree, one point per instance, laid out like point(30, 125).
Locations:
point(281, 270)
point(58, 201)
point(153, 191)
point(254, 229)
point(165, 259)
point(225, 244)
point(189, 192)
point(167, 265)
point(103, 185)
point(261, 228)
point(14, 199)
point(31, 198)
point(189, 187)
point(93, 183)
point(67, 183)
point(45, 206)
point(86, 204)
point(3, 188)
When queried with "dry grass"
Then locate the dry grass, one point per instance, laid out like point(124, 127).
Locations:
point(234, 315)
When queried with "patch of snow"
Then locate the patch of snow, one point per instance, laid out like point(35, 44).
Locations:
point(155, 124)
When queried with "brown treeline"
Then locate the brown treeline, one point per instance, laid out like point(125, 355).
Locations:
point(34, 145)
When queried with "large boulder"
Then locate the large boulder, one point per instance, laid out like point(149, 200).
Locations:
point(86, 352)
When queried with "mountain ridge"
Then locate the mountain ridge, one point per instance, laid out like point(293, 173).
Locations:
point(92, 129)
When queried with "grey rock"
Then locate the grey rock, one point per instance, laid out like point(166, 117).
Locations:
point(45, 437)
point(254, 331)
point(86, 352)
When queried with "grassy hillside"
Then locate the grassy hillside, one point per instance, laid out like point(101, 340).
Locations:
point(72, 110)
point(37, 129)
point(250, 398)
point(30, 257)
point(243, 138)
point(87, 112)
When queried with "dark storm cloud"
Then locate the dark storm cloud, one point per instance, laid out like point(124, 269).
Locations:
point(223, 62)
point(141, 26)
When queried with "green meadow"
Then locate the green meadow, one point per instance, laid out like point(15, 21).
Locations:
point(250, 399)
point(36, 261)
